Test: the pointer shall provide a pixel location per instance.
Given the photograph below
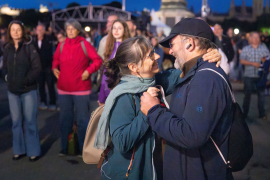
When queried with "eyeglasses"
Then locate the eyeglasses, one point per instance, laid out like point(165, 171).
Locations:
point(151, 55)
point(171, 44)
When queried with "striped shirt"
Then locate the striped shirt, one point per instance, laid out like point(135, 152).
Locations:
point(253, 55)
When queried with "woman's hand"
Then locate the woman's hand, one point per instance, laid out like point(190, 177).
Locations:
point(100, 104)
point(85, 75)
point(153, 91)
point(56, 73)
point(212, 55)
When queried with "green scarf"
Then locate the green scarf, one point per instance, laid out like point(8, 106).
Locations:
point(128, 84)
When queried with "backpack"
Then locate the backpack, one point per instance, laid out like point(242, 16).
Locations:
point(240, 148)
point(83, 47)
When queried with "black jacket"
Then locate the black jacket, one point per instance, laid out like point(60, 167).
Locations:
point(45, 52)
point(22, 67)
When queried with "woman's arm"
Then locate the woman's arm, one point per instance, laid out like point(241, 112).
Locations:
point(34, 72)
point(126, 128)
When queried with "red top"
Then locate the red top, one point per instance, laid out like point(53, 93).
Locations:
point(72, 62)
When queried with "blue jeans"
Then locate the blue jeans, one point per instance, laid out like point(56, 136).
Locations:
point(23, 110)
point(250, 85)
point(67, 104)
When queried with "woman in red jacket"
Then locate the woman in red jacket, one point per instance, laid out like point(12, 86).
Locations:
point(72, 66)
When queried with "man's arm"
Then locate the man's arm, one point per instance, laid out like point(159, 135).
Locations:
point(248, 63)
point(203, 109)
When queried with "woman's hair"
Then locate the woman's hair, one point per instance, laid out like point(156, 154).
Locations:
point(111, 40)
point(25, 36)
point(132, 50)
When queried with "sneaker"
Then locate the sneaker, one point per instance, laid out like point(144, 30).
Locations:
point(52, 107)
point(62, 153)
point(42, 106)
point(33, 158)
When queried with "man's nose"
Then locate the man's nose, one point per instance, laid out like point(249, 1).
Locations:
point(171, 52)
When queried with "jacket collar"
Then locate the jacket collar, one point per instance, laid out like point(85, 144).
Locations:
point(76, 40)
point(189, 65)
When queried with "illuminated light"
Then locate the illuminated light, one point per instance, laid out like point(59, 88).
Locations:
point(87, 29)
point(236, 31)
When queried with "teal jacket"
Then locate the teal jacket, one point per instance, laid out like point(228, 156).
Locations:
point(129, 129)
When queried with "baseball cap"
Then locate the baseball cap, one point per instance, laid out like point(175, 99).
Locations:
point(189, 26)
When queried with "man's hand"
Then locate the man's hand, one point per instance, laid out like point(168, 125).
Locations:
point(147, 102)
point(255, 64)
point(212, 55)
point(56, 73)
point(85, 75)
point(153, 91)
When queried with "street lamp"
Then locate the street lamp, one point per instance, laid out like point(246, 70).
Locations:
point(87, 29)
point(236, 31)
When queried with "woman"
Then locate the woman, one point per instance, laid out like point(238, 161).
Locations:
point(119, 32)
point(21, 68)
point(74, 85)
point(130, 74)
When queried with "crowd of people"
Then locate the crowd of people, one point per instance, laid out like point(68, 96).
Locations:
point(131, 61)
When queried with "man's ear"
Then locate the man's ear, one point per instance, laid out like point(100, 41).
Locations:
point(190, 45)
point(133, 67)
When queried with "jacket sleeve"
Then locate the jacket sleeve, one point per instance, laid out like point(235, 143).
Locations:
point(228, 49)
point(125, 127)
point(56, 56)
point(33, 73)
point(204, 107)
point(168, 80)
point(94, 57)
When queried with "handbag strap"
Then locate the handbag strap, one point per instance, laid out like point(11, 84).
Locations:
point(221, 155)
point(163, 96)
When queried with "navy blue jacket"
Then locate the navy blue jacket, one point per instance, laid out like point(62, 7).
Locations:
point(199, 108)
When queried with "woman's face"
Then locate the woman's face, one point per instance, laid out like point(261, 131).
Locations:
point(149, 66)
point(72, 32)
point(118, 31)
point(16, 32)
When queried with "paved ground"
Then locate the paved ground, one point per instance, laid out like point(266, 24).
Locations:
point(52, 167)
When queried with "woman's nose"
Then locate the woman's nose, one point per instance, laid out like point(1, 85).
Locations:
point(156, 56)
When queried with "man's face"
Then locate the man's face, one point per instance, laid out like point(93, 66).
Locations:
point(218, 31)
point(40, 31)
point(177, 49)
point(110, 21)
point(255, 39)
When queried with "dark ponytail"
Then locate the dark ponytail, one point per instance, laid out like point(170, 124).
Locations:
point(112, 72)
point(131, 50)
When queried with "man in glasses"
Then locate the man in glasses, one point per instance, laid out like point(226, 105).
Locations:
point(199, 108)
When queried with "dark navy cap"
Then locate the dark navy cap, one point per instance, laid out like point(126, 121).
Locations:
point(191, 27)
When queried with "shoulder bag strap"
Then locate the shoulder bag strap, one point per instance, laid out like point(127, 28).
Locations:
point(61, 46)
point(208, 69)
point(85, 51)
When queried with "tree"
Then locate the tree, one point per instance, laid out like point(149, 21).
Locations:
point(5, 20)
point(73, 4)
point(29, 17)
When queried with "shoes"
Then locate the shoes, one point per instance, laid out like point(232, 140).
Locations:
point(79, 155)
point(62, 153)
point(52, 107)
point(42, 106)
point(17, 157)
point(33, 158)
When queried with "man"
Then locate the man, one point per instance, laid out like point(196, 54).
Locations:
point(44, 46)
point(251, 57)
point(61, 37)
point(226, 45)
point(102, 42)
point(199, 108)
point(132, 28)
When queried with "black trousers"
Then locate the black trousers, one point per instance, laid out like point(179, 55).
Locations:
point(250, 85)
point(46, 77)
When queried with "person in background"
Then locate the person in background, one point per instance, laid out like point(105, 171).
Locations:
point(61, 37)
point(132, 28)
point(74, 85)
point(88, 38)
point(159, 51)
point(21, 70)
point(103, 41)
point(226, 45)
point(251, 57)
point(230, 33)
point(96, 38)
point(118, 33)
point(161, 35)
point(44, 46)
point(267, 39)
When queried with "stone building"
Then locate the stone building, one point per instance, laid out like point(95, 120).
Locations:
point(172, 11)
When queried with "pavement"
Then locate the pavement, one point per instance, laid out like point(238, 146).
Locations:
point(52, 167)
